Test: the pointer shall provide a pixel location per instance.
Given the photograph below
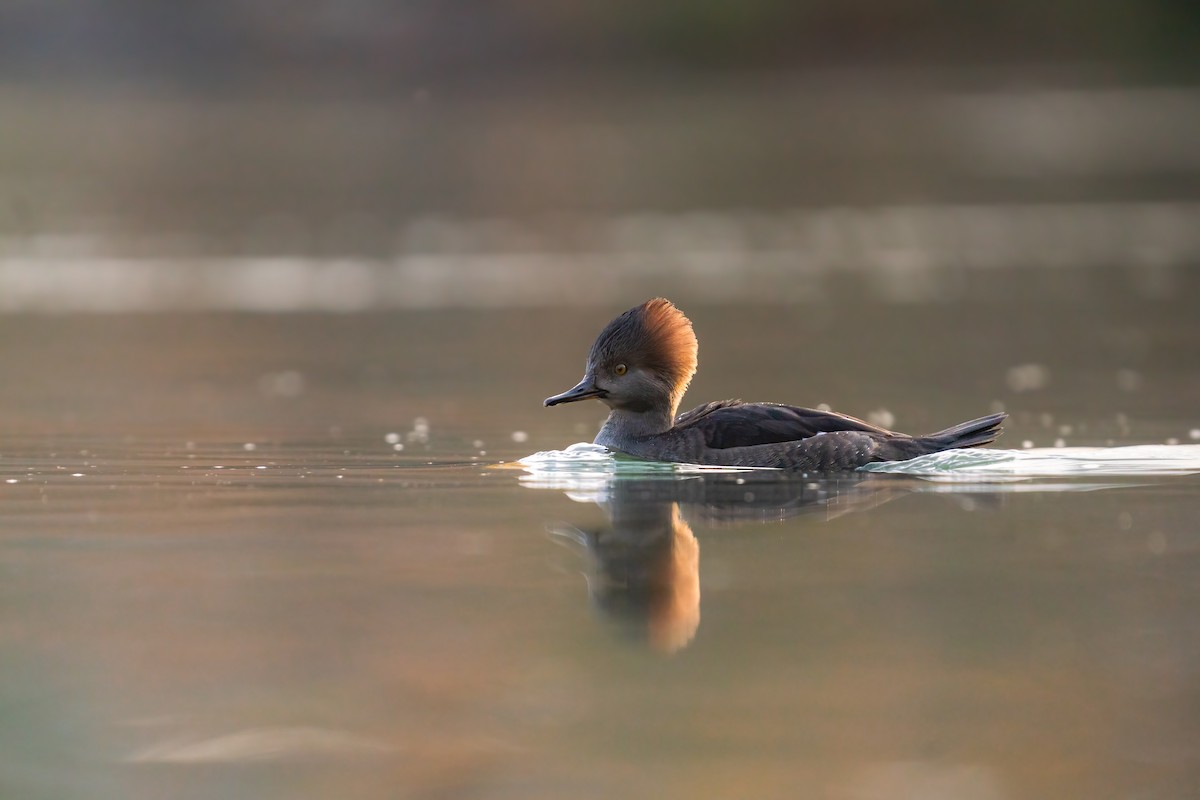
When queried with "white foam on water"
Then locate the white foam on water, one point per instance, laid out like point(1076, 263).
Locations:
point(1049, 462)
point(588, 467)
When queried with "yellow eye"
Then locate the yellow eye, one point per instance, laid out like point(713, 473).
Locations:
point(620, 369)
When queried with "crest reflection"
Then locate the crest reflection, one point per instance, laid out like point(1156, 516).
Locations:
point(643, 568)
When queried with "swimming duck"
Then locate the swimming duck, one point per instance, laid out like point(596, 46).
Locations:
point(640, 366)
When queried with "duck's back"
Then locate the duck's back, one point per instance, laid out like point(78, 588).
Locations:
point(731, 423)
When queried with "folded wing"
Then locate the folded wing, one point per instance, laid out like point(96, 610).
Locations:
point(732, 423)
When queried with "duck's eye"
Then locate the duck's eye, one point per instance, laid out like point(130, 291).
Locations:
point(620, 369)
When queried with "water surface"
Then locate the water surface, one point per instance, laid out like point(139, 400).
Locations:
point(296, 557)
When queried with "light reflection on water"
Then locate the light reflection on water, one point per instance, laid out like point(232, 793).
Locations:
point(351, 610)
point(327, 614)
point(645, 566)
point(278, 555)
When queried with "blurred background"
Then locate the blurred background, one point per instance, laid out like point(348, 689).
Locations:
point(1002, 199)
point(360, 154)
point(278, 279)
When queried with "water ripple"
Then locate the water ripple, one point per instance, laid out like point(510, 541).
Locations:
point(1130, 461)
point(558, 468)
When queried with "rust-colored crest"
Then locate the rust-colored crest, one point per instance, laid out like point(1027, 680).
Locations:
point(670, 342)
point(655, 335)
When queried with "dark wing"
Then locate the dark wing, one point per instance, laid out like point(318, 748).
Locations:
point(732, 423)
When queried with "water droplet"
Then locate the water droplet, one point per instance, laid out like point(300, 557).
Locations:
point(522, 436)
point(249, 446)
point(1027, 377)
point(420, 431)
point(397, 447)
point(881, 417)
point(392, 438)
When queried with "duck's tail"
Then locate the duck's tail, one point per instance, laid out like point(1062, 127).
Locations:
point(966, 434)
point(899, 447)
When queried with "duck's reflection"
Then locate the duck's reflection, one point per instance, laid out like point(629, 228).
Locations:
point(644, 571)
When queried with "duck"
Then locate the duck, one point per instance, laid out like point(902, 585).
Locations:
point(641, 365)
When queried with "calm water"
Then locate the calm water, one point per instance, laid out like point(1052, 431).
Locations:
point(293, 556)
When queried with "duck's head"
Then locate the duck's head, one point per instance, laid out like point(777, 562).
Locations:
point(642, 361)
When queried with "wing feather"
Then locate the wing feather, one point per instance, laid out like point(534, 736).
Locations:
point(732, 423)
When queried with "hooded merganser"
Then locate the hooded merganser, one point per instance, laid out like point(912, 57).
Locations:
point(641, 364)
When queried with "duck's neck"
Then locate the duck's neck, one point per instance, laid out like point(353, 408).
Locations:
point(623, 429)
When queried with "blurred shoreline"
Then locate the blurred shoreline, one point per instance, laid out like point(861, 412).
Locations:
point(346, 174)
point(892, 254)
point(747, 188)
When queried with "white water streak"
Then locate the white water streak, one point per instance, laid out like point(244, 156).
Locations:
point(1050, 462)
point(592, 464)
